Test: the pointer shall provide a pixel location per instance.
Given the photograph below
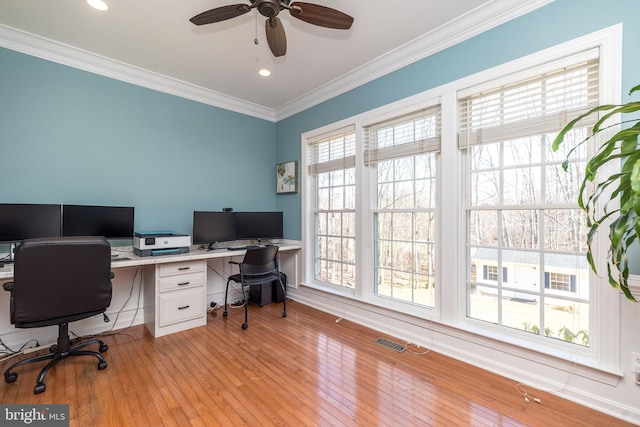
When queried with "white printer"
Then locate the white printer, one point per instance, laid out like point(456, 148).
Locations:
point(156, 243)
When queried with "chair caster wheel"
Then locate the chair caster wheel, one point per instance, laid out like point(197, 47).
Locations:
point(53, 348)
point(103, 348)
point(245, 325)
point(224, 314)
point(102, 365)
point(284, 314)
point(39, 388)
point(10, 378)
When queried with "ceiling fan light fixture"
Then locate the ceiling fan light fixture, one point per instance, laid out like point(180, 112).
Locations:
point(311, 13)
point(98, 4)
point(264, 72)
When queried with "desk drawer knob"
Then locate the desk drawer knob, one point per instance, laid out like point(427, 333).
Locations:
point(183, 283)
point(184, 307)
point(183, 268)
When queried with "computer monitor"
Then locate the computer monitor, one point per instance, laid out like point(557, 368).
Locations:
point(28, 221)
point(111, 222)
point(210, 228)
point(259, 225)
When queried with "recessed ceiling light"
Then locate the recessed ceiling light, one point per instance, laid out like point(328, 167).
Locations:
point(264, 72)
point(98, 4)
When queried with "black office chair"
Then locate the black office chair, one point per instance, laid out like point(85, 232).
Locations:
point(259, 267)
point(57, 281)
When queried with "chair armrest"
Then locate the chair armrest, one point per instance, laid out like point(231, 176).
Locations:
point(8, 286)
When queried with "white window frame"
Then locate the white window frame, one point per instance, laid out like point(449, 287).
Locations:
point(477, 133)
point(604, 306)
point(374, 154)
point(397, 109)
point(309, 208)
point(603, 357)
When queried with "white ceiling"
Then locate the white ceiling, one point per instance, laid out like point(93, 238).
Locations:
point(152, 43)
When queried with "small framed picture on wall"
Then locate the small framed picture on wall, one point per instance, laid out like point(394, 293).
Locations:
point(287, 177)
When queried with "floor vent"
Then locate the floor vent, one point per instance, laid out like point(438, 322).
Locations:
point(392, 345)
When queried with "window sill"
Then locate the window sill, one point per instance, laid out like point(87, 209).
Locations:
point(579, 362)
point(634, 285)
point(341, 292)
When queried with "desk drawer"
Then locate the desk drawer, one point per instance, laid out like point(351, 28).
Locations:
point(181, 306)
point(176, 268)
point(183, 281)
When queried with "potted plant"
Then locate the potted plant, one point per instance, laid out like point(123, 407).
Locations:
point(624, 227)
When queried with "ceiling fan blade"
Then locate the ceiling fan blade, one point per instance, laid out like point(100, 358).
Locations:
point(220, 14)
point(321, 15)
point(276, 38)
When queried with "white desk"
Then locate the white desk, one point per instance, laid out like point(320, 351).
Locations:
point(175, 286)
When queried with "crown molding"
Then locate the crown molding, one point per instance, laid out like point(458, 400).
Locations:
point(60, 53)
point(463, 28)
point(469, 25)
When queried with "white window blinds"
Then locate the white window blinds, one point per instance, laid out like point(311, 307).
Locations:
point(535, 106)
point(403, 136)
point(332, 151)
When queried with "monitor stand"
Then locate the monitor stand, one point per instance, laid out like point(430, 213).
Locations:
point(213, 246)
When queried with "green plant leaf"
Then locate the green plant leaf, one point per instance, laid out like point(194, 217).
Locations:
point(560, 137)
point(630, 107)
point(623, 218)
point(635, 177)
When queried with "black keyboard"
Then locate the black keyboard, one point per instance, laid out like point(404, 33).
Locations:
point(242, 248)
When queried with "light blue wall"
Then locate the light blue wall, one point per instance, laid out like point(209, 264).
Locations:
point(69, 136)
point(553, 24)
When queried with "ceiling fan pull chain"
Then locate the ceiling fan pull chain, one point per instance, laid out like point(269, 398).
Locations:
point(255, 38)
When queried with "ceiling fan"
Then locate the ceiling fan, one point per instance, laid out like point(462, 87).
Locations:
point(311, 13)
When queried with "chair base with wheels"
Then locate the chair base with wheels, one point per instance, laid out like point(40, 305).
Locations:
point(260, 266)
point(57, 352)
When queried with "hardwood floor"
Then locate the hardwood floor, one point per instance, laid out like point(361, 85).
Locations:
point(302, 370)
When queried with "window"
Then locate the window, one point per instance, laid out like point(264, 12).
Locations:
point(491, 273)
point(402, 153)
point(521, 211)
point(450, 206)
point(560, 281)
point(332, 166)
